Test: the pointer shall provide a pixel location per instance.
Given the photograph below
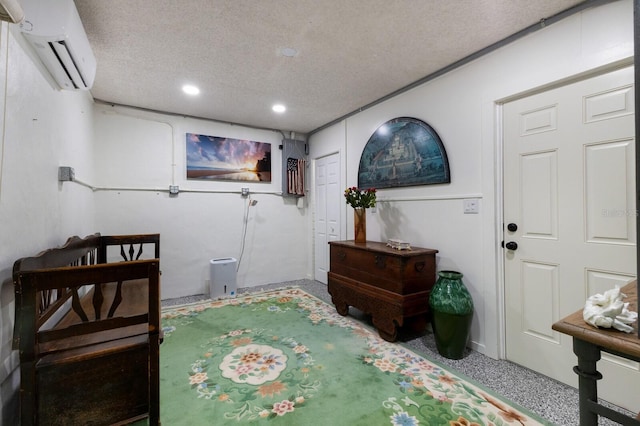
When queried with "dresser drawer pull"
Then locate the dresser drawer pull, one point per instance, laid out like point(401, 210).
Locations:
point(342, 255)
point(380, 261)
point(419, 266)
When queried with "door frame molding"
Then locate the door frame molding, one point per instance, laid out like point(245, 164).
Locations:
point(499, 228)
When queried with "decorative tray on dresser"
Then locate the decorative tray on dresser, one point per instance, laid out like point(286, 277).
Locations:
point(393, 286)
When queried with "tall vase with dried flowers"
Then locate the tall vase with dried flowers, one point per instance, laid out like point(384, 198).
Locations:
point(360, 200)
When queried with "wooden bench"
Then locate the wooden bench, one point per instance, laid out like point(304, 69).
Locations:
point(88, 331)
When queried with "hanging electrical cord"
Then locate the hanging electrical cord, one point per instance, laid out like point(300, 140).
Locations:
point(249, 203)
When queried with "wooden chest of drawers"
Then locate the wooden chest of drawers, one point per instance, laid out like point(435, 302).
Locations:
point(393, 286)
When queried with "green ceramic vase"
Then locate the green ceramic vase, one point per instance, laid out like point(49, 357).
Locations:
point(451, 309)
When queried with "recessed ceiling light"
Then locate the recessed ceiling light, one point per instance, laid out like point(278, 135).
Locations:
point(288, 52)
point(190, 89)
point(279, 108)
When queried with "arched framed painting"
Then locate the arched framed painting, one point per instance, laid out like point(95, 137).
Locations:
point(404, 151)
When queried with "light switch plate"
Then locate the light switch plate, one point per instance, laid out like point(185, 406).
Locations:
point(471, 206)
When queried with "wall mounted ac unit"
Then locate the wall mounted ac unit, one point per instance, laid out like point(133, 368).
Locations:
point(54, 30)
point(11, 11)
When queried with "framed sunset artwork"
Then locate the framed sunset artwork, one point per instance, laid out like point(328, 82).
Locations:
point(222, 158)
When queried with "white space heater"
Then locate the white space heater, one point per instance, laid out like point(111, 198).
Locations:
point(222, 277)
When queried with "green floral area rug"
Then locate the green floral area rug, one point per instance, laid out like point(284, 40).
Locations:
point(285, 357)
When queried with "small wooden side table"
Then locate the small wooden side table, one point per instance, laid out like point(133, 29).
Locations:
point(588, 344)
point(393, 286)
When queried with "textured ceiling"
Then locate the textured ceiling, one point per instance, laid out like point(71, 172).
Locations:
point(350, 53)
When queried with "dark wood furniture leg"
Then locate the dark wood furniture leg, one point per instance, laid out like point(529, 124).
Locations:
point(387, 328)
point(588, 356)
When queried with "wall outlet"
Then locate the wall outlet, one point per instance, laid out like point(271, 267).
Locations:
point(174, 189)
point(245, 192)
point(471, 206)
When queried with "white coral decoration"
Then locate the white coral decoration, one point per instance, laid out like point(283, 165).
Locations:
point(607, 310)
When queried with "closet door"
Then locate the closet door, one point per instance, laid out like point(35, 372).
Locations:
point(328, 198)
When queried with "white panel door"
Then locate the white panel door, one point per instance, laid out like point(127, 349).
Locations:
point(327, 214)
point(569, 183)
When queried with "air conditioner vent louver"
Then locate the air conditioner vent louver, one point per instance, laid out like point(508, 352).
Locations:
point(68, 64)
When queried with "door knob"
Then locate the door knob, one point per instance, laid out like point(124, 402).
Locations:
point(512, 245)
point(512, 227)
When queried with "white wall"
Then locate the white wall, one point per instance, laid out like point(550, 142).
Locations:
point(462, 107)
point(138, 151)
point(40, 129)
